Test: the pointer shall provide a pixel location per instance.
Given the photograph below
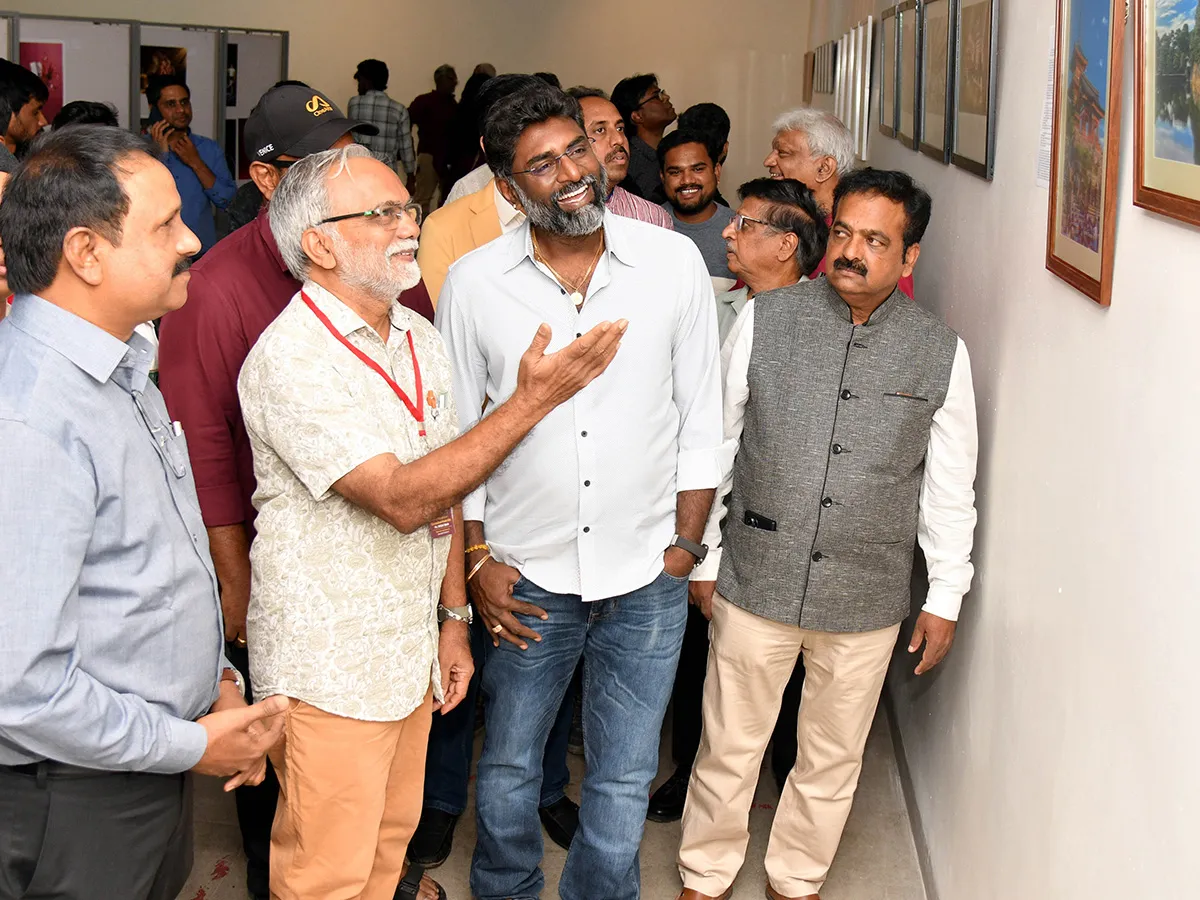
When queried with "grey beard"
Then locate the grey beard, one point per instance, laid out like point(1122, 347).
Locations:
point(580, 223)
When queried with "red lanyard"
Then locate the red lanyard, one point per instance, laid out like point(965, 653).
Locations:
point(417, 409)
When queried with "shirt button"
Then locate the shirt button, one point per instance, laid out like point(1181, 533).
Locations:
point(817, 557)
point(837, 448)
point(587, 484)
point(583, 434)
point(846, 395)
point(579, 334)
point(827, 502)
point(586, 529)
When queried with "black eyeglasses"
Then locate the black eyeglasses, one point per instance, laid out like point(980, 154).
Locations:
point(575, 153)
point(388, 214)
point(658, 94)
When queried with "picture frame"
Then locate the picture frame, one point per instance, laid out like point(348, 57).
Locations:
point(1166, 174)
point(937, 79)
point(976, 52)
point(908, 80)
point(862, 110)
point(1086, 146)
point(889, 65)
point(810, 62)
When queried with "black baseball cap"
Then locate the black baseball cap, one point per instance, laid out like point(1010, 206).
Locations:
point(294, 120)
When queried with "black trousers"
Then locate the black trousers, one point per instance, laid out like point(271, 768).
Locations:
point(256, 804)
point(77, 834)
point(687, 702)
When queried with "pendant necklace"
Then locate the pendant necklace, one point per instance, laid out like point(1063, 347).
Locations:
point(576, 294)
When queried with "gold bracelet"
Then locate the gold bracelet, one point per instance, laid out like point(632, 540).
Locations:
point(471, 550)
point(478, 566)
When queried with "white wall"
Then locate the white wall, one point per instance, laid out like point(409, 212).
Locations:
point(750, 63)
point(1054, 754)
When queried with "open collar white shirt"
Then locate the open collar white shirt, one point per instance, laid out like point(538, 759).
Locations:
point(586, 504)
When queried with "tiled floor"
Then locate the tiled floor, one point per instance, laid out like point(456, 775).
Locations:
point(877, 860)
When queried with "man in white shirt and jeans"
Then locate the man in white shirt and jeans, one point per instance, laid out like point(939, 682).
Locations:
point(849, 434)
point(581, 545)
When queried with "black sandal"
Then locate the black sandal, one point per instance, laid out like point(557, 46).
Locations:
point(409, 887)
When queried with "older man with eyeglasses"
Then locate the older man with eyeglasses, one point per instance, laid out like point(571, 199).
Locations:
point(347, 400)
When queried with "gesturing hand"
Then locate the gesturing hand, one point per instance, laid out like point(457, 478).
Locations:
point(492, 591)
point(938, 635)
point(548, 379)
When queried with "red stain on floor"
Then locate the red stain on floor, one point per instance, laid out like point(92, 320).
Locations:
point(221, 869)
point(200, 894)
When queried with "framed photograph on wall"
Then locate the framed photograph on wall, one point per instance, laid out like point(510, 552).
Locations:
point(908, 123)
point(810, 61)
point(888, 66)
point(976, 45)
point(1166, 174)
point(1085, 156)
point(866, 37)
point(937, 79)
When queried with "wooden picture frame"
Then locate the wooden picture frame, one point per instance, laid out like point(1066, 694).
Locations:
point(976, 52)
point(810, 62)
point(1085, 156)
point(908, 74)
point(889, 65)
point(1166, 172)
point(937, 79)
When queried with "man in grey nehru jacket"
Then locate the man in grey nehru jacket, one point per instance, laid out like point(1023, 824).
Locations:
point(849, 433)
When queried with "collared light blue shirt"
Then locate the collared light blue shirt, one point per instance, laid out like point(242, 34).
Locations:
point(586, 503)
point(110, 626)
point(198, 202)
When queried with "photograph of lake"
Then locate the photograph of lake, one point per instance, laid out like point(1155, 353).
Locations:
point(1177, 81)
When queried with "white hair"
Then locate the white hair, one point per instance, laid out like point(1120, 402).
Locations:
point(826, 133)
point(302, 200)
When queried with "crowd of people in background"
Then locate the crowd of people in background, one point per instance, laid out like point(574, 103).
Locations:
point(520, 423)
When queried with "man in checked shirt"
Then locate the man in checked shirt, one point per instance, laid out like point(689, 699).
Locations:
point(394, 142)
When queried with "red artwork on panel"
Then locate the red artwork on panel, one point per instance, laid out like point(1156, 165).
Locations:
point(45, 60)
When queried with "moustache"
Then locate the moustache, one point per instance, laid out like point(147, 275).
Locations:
point(585, 181)
point(182, 266)
point(614, 155)
point(688, 187)
point(851, 265)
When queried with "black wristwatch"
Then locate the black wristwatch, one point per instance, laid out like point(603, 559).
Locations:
point(697, 550)
point(457, 613)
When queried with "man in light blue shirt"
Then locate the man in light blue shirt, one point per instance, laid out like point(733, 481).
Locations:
point(196, 162)
point(112, 680)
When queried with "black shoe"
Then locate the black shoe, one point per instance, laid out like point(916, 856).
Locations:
point(666, 804)
point(433, 839)
point(561, 820)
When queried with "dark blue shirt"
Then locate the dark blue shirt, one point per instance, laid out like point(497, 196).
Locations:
point(198, 201)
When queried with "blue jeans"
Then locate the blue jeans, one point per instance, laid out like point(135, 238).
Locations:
point(452, 743)
point(630, 648)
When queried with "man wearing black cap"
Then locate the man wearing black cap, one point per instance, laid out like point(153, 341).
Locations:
point(236, 291)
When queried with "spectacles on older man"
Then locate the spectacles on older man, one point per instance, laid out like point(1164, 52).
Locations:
point(740, 220)
point(387, 214)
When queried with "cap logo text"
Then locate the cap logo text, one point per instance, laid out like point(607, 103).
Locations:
point(265, 150)
point(318, 105)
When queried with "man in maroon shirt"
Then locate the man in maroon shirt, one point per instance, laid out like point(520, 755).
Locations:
point(432, 114)
point(236, 291)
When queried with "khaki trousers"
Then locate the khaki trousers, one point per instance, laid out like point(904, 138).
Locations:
point(748, 667)
point(349, 801)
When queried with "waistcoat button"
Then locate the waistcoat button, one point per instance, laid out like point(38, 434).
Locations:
point(827, 502)
point(817, 557)
point(837, 448)
point(846, 395)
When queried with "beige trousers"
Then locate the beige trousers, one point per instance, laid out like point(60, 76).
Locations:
point(349, 801)
point(750, 661)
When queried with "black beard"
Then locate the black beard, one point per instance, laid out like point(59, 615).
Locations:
point(701, 202)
